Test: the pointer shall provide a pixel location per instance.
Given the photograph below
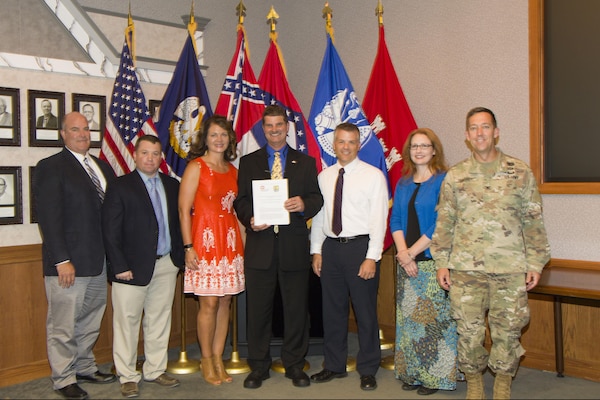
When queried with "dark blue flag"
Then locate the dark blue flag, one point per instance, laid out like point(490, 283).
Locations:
point(182, 109)
point(335, 102)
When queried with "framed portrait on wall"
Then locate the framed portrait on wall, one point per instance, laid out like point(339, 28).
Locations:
point(46, 111)
point(94, 110)
point(11, 203)
point(32, 212)
point(10, 128)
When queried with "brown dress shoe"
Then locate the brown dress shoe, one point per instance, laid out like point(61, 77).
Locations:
point(166, 381)
point(130, 389)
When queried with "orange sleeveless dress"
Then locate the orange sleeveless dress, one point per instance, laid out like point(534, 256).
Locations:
point(216, 236)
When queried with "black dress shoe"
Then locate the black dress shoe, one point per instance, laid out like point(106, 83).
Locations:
point(368, 382)
point(298, 377)
point(73, 391)
point(255, 378)
point(423, 391)
point(327, 375)
point(406, 386)
point(97, 377)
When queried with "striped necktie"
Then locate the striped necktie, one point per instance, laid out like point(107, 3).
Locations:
point(94, 177)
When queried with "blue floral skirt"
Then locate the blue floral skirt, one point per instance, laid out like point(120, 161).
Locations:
point(425, 349)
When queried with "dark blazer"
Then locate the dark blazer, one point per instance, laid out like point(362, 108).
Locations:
point(131, 231)
point(52, 122)
point(301, 172)
point(68, 211)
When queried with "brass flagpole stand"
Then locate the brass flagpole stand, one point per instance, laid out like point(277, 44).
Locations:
point(183, 365)
point(235, 365)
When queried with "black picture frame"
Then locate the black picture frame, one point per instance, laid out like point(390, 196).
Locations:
point(49, 135)
point(32, 211)
point(10, 115)
point(97, 105)
point(154, 109)
point(11, 199)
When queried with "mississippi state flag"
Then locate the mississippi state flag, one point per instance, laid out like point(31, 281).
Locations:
point(335, 102)
point(241, 100)
point(277, 91)
point(183, 107)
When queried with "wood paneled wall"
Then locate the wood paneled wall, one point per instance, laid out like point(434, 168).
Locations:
point(23, 318)
point(23, 322)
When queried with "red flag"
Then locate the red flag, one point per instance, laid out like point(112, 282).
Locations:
point(241, 99)
point(389, 113)
point(274, 83)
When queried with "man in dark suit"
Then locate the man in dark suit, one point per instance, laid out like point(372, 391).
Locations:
point(140, 223)
point(47, 120)
point(278, 254)
point(68, 192)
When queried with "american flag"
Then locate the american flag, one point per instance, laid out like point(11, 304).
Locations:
point(128, 118)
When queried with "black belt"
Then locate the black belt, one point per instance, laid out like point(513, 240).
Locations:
point(158, 256)
point(347, 239)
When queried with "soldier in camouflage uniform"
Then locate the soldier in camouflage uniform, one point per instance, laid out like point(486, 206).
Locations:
point(491, 235)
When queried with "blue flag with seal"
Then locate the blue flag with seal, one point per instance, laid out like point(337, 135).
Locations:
point(335, 102)
point(183, 107)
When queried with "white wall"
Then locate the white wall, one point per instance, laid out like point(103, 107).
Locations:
point(450, 56)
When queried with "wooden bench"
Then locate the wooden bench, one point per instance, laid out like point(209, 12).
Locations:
point(559, 282)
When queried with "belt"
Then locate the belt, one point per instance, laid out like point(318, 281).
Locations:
point(347, 239)
point(158, 256)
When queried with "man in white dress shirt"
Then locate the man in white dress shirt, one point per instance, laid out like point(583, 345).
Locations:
point(346, 252)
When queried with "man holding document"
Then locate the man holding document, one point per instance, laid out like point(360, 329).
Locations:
point(278, 193)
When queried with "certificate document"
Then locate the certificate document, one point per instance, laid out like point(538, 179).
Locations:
point(268, 196)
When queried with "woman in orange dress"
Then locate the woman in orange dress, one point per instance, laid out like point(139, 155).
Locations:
point(214, 264)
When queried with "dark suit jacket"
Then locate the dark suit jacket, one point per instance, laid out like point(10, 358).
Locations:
point(301, 172)
point(131, 231)
point(52, 122)
point(68, 211)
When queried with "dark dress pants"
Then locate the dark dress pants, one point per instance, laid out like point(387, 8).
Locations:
point(260, 292)
point(339, 279)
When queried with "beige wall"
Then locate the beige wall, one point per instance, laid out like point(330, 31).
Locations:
point(450, 55)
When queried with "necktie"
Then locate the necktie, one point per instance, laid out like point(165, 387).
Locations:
point(158, 211)
point(94, 177)
point(276, 169)
point(336, 223)
point(276, 174)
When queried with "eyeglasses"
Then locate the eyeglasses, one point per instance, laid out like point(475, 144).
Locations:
point(420, 146)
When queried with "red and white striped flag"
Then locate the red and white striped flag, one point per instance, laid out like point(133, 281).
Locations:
point(128, 116)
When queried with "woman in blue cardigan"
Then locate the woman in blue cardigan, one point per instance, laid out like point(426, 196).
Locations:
point(425, 352)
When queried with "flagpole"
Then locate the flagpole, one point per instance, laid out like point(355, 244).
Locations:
point(385, 344)
point(184, 365)
point(272, 18)
point(236, 365)
point(327, 15)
